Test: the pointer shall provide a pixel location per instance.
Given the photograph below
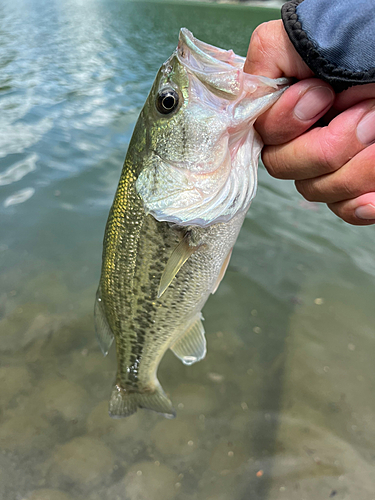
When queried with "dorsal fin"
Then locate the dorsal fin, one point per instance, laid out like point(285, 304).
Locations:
point(178, 258)
point(191, 345)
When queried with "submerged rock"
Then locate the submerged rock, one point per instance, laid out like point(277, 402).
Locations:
point(13, 380)
point(16, 324)
point(64, 397)
point(22, 432)
point(82, 460)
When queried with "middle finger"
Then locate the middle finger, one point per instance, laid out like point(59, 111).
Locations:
point(354, 179)
point(324, 150)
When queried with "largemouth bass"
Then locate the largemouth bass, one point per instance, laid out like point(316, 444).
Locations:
point(189, 176)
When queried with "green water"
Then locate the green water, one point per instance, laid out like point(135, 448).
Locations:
point(282, 408)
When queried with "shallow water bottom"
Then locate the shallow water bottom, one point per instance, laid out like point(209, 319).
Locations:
point(277, 410)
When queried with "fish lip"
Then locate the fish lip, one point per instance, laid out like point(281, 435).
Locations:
point(217, 69)
point(197, 48)
point(187, 39)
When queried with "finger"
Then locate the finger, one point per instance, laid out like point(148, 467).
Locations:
point(358, 211)
point(322, 151)
point(296, 111)
point(353, 96)
point(352, 180)
point(272, 54)
point(349, 98)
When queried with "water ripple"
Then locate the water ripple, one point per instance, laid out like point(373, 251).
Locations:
point(20, 136)
point(17, 171)
point(19, 197)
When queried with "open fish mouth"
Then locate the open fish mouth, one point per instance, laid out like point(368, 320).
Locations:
point(204, 169)
point(206, 52)
point(217, 68)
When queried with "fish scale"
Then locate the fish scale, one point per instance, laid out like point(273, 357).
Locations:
point(165, 251)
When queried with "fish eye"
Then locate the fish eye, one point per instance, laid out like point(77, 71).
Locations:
point(167, 101)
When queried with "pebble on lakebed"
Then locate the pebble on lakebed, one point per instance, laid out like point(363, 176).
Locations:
point(82, 460)
point(146, 480)
point(46, 494)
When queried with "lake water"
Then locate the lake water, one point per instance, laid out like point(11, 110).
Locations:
point(283, 406)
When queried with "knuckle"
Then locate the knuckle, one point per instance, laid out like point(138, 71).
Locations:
point(273, 163)
point(347, 188)
point(258, 41)
point(260, 31)
point(299, 187)
point(262, 38)
point(305, 189)
point(329, 153)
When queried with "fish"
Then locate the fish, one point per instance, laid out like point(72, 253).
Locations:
point(188, 179)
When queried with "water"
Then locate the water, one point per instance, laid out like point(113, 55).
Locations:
point(282, 408)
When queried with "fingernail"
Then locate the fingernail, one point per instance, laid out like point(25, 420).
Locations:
point(366, 128)
point(313, 102)
point(365, 212)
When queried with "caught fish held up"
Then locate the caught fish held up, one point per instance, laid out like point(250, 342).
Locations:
point(189, 176)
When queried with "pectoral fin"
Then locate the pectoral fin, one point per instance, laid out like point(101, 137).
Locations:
point(191, 345)
point(222, 271)
point(178, 258)
point(103, 331)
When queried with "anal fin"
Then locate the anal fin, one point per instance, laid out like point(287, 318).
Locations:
point(191, 345)
point(103, 331)
point(178, 258)
point(222, 271)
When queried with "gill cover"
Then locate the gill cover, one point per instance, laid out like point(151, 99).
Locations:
point(201, 166)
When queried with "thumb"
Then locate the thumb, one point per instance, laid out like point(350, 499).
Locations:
point(299, 108)
point(272, 54)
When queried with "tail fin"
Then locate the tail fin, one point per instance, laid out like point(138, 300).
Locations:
point(124, 402)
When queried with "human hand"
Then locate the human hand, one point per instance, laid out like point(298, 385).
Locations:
point(334, 163)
